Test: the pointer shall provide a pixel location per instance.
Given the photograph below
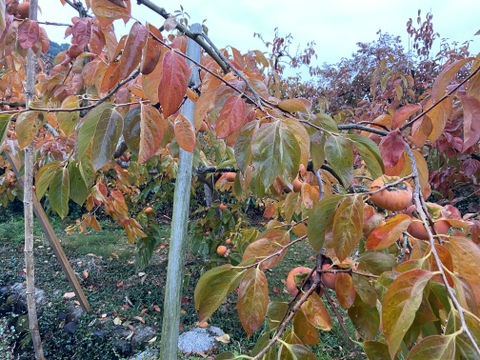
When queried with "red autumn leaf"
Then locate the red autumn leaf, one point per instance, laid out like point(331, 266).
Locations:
point(253, 300)
point(471, 125)
point(110, 79)
point(28, 33)
point(151, 51)
point(132, 52)
point(231, 116)
point(184, 133)
point(402, 114)
point(392, 147)
point(387, 233)
point(152, 127)
point(174, 82)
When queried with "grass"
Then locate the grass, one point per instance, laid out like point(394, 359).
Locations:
point(117, 287)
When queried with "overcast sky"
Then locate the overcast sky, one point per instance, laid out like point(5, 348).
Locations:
point(335, 26)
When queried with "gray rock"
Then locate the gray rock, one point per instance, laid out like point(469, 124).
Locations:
point(70, 328)
point(142, 334)
point(198, 339)
point(73, 313)
point(148, 354)
point(121, 331)
point(21, 291)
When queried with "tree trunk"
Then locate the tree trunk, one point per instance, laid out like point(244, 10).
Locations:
point(28, 208)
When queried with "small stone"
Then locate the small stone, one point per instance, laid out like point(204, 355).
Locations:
point(70, 328)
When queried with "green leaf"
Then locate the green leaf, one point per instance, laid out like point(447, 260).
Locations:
point(275, 152)
point(365, 318)
point(4, 121)
point(243, 145)
point(131, 130)
point(296, 352)
point(401, 301)
point(252, 300)
point(347, 226)
point(375, 350)
point(301, 134)
point(68, 120)
point(339, 154)
point(44, 177)
point(212, 288)
point(438, 347)
point(304, 330)
point(377, 262)
point(27, 125)
point(107, 133)
point(317, 146)
point(275, 313)
point(59, 192)
point(318, 220)
point(78, 189)
point(88, 126)
point(370, 153)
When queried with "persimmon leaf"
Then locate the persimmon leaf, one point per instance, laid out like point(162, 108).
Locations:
point(370, 153)
point(231, 116)
point(132, 52)
point(174, 82)
point(44, 177)
point(4, 122)
point(401, 301)
point(392, 147)
point(151, 51)
point(213, 286)
point(184, 133)
point(339, 154)
point(466, 260)
point(441, 347)
point(401, 115)
point(27, 126)
point(267, 243)
point(375, 349)
point(275, 152)
point(88, 126)
point(243, 145)
point(28, 33)
point(347, 226)
point(305, 331)
point(68, 120)
point(295, 105)
point(365, 317)
point(316, 312)
point(59, 192)
point(318, 220)
point(107, 133)
point(344, 289)
point(252, 300)
point(78, 188)
point(388, 233)
point(152, 127)
point(471, 127)
point(445, 77)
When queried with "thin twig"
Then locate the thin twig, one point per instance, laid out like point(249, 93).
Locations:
point(438, 261)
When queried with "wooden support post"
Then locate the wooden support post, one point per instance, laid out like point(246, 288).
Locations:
point(52, 238)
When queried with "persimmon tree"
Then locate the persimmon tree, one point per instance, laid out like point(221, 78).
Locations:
point(107, 112)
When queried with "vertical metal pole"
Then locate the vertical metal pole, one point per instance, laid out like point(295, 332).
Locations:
point(178, 237)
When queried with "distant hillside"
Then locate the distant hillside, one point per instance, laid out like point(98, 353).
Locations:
point(56, 48)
